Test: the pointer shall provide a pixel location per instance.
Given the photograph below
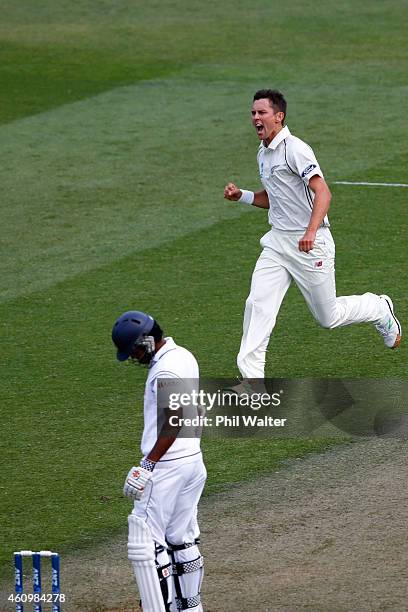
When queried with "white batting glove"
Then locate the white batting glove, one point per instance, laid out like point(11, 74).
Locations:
point(136, 481)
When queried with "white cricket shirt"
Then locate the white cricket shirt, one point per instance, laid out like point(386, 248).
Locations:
point(285, 167)
point(176, 362)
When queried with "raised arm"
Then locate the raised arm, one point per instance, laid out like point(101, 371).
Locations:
point(258, 198)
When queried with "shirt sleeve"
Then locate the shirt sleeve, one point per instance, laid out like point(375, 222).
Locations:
point(302, 160)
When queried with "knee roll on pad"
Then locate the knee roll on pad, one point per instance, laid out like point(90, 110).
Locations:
point(141, 547)
point(188, 573)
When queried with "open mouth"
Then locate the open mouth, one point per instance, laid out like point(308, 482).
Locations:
point(259, 128)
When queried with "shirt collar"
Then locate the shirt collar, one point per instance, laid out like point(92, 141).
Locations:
point(169, 345)
point(278, 138)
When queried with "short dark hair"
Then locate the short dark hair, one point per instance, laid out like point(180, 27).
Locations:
point(276, 100)
point(156, 332)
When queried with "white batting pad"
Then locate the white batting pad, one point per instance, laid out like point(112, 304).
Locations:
point(141, 552)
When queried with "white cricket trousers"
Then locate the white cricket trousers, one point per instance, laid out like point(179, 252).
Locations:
point(169, 503)
point(169, 508)
point(313, 272)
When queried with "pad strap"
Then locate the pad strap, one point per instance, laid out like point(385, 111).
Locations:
point(183, 546)
point(184, 603)
point(185, 567)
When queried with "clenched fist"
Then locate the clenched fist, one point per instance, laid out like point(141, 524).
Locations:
point(232, 192)
point(306, 243)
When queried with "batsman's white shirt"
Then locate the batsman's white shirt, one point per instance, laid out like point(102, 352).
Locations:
point(170, 361)
point(169, 504)
point(285, 166)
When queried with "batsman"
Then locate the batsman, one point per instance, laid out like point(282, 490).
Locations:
point(167, 484)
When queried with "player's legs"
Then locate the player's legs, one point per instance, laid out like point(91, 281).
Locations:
point(159, 499)
point(182, 524)
point(270, 282)
point(188, 574)
point(314, 274)
point(331, 311)
point(147, 547)
point(182, 540)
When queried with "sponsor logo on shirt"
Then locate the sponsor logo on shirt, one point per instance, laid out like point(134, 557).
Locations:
point(308, 170)
point(167, 382)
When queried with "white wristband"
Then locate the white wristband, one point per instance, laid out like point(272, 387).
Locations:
point(247, 197)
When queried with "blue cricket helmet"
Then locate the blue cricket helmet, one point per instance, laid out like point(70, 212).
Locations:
point(129, 330)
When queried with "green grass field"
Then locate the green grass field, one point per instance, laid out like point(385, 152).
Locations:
point(120, 123)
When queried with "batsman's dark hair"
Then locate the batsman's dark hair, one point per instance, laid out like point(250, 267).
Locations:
point(276, 100)
point(156, 332)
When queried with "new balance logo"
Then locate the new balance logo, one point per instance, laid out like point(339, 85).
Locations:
point(307, 170)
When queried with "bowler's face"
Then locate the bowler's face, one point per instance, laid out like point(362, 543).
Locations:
point(266, 122)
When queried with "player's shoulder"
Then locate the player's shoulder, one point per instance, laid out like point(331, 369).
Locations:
point(187, 357)
point(294, 144)
point(179, 360)
point(184, 352)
